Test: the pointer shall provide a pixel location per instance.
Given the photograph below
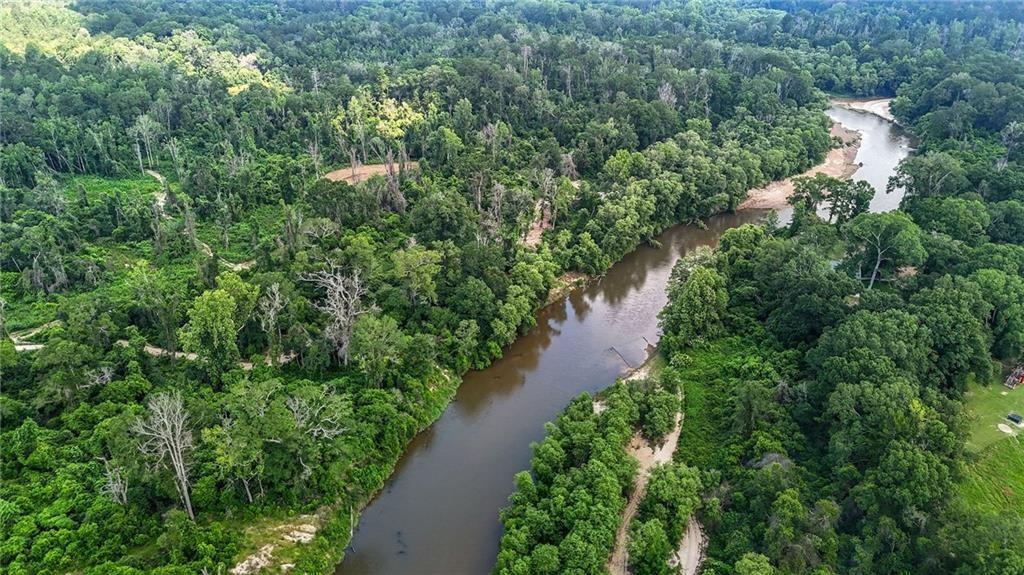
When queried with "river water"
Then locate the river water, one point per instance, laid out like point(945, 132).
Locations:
point(438, 513)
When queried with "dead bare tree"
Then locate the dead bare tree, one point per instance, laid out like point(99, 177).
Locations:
point(320, 228)
point(667, 95)
point(569, 166)
point(190, 224)
point(313, 149)
point(489, 134)
point(270, 306)
point(476, 185)
point(138, 154)
point(342, 302)
point(98, 377)
point(548, 189)
point(165, 437)
point(320, 416)
point(146, 129)
point(115, 484)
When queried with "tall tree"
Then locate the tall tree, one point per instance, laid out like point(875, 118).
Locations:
point(342, 303)
point(890, 238)
point(165, 438)
point(210, 332)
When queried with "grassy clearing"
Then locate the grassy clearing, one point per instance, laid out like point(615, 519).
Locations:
point(994, 478)
point(987, 406)
point(97, 187)
point(995, 481)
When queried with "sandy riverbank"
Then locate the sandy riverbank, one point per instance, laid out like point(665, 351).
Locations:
point(879, 107)
point(647, 456)
point(839, 163)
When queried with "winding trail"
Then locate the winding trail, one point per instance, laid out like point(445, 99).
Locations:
point(161, 202)
point(21, 344)
point(647, 456)
point(161, 196)
point(21, 338)
point(161, 352)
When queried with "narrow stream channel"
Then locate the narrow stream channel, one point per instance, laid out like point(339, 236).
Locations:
point(438, 513)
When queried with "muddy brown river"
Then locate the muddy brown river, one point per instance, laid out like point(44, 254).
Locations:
point(438, 513)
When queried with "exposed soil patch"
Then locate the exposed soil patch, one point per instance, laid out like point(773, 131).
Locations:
point(354, 175)
point(839, 163)
point(161, 195)
point(647, 455)
point(283, 535)
point(255, 562)
point(21, 338)
point(541, 222)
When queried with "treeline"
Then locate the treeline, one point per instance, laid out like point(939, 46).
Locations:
point(872, 50)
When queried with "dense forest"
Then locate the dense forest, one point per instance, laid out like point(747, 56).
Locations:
point(249, 248)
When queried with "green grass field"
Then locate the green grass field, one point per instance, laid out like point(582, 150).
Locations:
point(994, 481)
point(97, 187)
point(264, 221)
point(987, 406)
point(706, 389)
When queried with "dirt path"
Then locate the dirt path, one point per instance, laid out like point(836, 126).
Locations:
point(879, 107)
point(354, 175)
point(239, 267)
point(245, 365)
point(21, 338)
point(161, 200)
point(20, 344)
point(541, 222)
point(690, 554)
point(647, 456)
point(839, 163)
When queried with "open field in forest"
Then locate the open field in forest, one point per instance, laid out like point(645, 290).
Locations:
point(987, 406)
point(98, 187)
point(360, 173)
point(705, 391)
point(995, 481)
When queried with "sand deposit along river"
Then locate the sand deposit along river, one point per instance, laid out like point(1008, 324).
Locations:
point(438, 513)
